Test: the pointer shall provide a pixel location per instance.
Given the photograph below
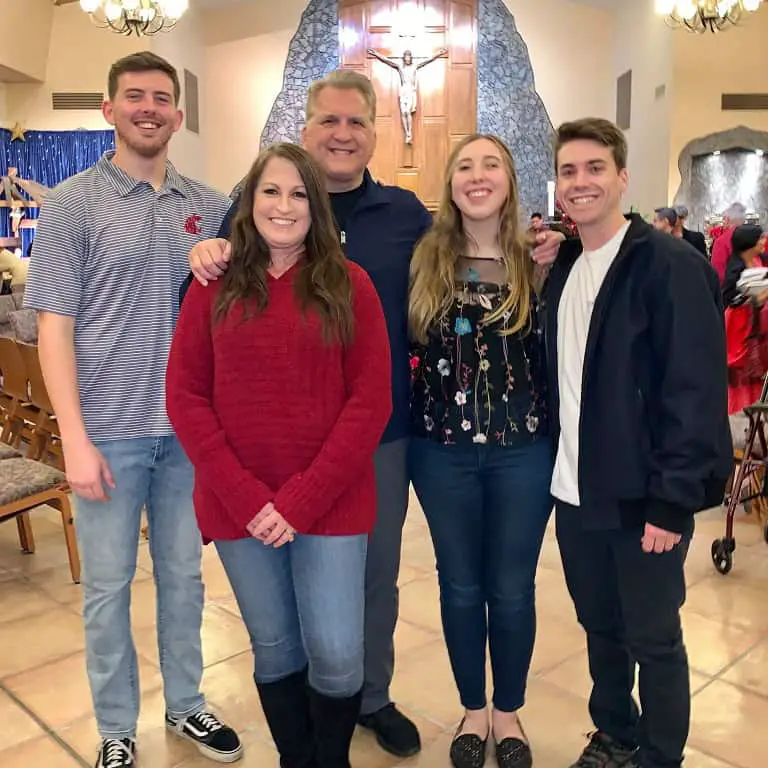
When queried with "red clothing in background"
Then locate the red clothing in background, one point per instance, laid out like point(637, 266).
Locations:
point(721, 252)
point(267, 411)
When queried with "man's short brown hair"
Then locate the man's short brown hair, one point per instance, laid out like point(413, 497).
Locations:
point(144, 61)
point(594, 129)
point(346, 79)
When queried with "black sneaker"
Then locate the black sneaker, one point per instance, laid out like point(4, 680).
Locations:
point(214, 739)
point(394, 731)
point(117, 753)
point(603, 752)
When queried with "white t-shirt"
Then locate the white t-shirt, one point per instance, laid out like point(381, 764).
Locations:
point(574, 316)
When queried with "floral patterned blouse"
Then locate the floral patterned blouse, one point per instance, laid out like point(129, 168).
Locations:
point(472, 385)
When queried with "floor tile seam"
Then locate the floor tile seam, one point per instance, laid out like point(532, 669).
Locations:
point(44, 726)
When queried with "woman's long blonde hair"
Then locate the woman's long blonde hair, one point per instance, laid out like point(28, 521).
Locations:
point(433, 268)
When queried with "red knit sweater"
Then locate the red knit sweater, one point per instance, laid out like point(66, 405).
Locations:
point(266, 410)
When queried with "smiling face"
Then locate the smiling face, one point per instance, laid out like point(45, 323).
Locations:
point(280, 206)
point(480, 180)
point(589, 184)
point(340, 136)
point(144, 112)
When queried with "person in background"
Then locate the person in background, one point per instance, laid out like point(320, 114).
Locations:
point(734, 217)
point(379, 226)
point(537, 223)
point(696, 239)
point(638, 404)
point(745, 320)
point(481, 455)
point(279, 388)
point(665, 220)
point(105, 289)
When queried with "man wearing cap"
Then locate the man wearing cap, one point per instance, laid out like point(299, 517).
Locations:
point(666, 220)
point(734, 217)
point(696, 239)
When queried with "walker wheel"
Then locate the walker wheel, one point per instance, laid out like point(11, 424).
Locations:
point(722, 556)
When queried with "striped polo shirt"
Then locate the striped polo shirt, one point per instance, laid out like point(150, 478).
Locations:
point(111, 252)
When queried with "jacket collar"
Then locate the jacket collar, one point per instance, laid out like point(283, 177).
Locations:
point(374, 193)
point(639, 231)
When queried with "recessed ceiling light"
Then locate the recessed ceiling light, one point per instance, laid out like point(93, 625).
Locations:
point(716, 152)
point(759, 152)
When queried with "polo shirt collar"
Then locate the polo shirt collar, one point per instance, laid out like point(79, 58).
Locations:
point(125, 184)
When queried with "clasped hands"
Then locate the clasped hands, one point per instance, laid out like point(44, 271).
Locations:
point(271, 528)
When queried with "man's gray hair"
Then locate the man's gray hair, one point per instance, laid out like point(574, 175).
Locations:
point(346, 79)
point(736, 212)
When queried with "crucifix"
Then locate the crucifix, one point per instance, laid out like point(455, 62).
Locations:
point(408, 72)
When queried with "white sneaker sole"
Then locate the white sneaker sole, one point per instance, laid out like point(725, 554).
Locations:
point(211, 754)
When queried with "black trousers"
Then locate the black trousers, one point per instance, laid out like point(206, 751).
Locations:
point(629, 604)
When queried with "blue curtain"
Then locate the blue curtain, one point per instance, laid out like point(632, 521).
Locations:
point(48, 157)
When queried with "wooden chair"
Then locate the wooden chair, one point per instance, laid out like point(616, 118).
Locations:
point(19, 415)
point(26, 484)
point(47, 437)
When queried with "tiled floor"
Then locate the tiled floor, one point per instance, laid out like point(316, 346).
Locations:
point(45, 705)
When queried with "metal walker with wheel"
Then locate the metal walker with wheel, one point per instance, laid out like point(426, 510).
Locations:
point(750, 484)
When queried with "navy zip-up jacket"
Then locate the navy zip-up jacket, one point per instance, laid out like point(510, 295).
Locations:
point(654, 439)
point(380, 235)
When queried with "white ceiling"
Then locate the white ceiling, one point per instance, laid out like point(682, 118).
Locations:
point(607, 4)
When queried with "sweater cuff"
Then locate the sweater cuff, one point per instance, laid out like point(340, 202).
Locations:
point(297, 505)
point(245, 502)
point(668, 516)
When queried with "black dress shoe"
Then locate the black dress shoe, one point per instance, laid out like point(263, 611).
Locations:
point(467, 749)
point(393, 730)
point(513, 753)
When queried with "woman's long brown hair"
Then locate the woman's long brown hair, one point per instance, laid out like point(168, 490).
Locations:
point(322, 283)
point(433, 267)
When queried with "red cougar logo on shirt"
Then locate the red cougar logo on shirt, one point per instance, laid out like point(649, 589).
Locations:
point(193, 225)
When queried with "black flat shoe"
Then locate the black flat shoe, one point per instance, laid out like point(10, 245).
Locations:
point(467, 750)
point(513, 753)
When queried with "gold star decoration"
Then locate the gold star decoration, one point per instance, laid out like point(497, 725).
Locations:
point(17, 133)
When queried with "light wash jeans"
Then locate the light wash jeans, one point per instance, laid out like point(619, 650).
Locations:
point(303, 605)
point(155, 472)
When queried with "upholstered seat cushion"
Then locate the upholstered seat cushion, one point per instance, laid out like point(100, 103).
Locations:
point(8, 452)
point(20, 478)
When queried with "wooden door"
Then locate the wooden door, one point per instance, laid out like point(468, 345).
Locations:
point(446, 88)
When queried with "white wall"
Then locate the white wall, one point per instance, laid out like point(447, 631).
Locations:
point(79, 59)
point(3, 113)
point(244, 78)
point(571, 50)
point(707, 66)
point(26, 28)
point(644, 44)
point(183, 47)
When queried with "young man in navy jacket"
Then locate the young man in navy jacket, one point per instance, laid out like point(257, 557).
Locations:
point(637, 363)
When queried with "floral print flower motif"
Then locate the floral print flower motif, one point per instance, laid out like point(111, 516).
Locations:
point(429, 423)
point(479, 439)
point(466, 425)
point(462, 326)
point(461, 398)
point(485, 365)
point(532, 422)
point(443, 367)
point(415, 362)
point(505, 397)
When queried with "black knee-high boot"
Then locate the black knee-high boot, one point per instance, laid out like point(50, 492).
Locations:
point(333, 723)
point(286, 707)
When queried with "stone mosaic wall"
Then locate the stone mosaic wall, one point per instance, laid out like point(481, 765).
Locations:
point(710, 183)
point(508, 105)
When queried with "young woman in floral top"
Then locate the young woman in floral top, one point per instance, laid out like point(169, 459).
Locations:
point(481, 458)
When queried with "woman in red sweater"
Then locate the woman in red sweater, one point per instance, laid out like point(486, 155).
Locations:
point(278, 387)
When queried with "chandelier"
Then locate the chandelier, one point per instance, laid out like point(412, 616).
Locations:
point(135, 17)
point(704, 15)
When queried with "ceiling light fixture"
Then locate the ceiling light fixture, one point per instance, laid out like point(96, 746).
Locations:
point(702, 16)
point(135, 17)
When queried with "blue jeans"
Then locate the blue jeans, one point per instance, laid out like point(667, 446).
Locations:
point(487, 508)
point(303, 605)
point(152, 472)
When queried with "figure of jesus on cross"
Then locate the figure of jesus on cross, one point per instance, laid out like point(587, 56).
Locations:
point(408, 72)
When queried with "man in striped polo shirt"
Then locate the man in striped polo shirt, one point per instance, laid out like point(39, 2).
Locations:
point(110, 254)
